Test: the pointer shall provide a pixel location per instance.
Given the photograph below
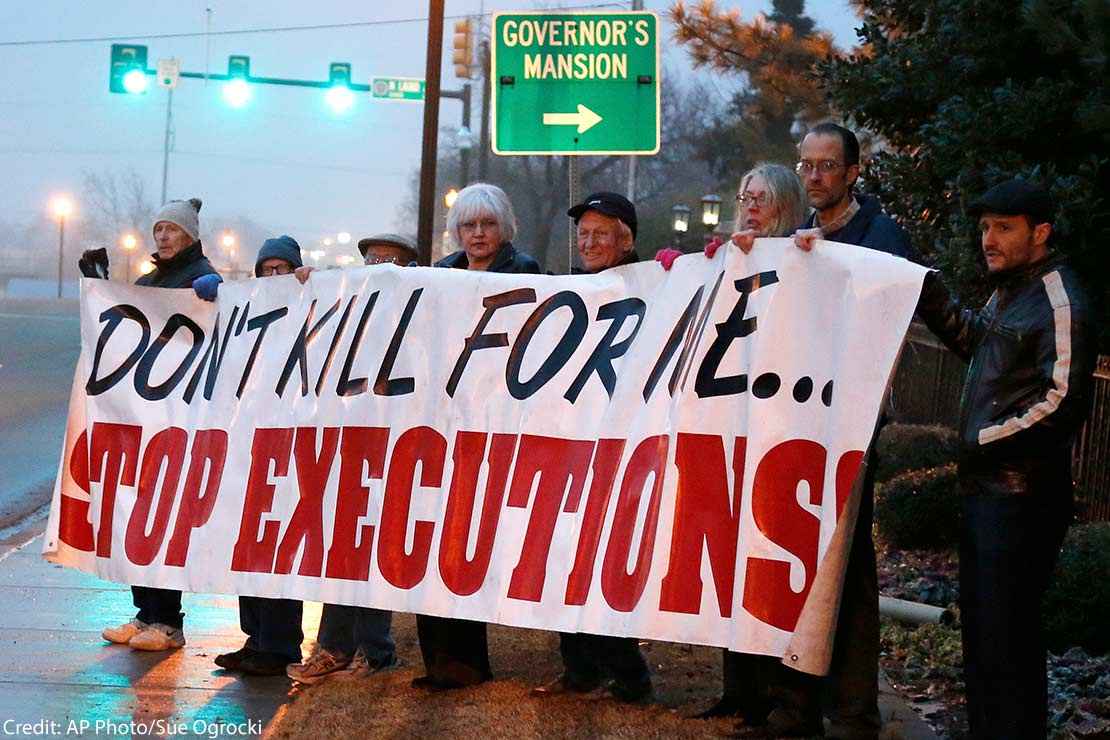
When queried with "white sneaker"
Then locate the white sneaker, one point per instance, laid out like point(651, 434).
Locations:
point(158, 637)
point(361, 667)
point(318, 666)
point(122, 634)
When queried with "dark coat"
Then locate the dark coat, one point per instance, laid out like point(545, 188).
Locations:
point(180, 270)
point(871, 228)
point(507, 259)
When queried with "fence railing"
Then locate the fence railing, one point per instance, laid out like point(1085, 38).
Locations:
point(926, 390)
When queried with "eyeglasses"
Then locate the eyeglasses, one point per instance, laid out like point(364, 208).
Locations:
point(759, 200)
point(377, 259)
point(487, 224)
point(279, 270)
point(824, 166)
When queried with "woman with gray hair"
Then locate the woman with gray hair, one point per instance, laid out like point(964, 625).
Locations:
point(482, 224)
point(771, 201)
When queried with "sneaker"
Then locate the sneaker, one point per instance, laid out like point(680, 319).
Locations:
point(564, 685)
point(232, 661)
point(361, 667)
point(156, 637)
point(318, 666)
point(122, 634)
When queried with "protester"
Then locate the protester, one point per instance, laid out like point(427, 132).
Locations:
point(1032, 353)
point(606, 234)
point(354, 641)
point(770, 202)
point(482, 224)
point(178, 263)
point(272, 626)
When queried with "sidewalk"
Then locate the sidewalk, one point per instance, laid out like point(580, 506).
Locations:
point(55, 668)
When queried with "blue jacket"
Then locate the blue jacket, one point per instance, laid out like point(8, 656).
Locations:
point(871, 228)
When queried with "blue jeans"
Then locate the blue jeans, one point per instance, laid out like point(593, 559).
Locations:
point(344, 629)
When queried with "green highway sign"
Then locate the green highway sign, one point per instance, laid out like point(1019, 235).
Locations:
point(575, 83)
point(397, 88)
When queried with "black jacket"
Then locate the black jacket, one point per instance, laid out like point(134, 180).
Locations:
point(1028, 387)
point(507, 259)
point(871, 228)
point(180, 270)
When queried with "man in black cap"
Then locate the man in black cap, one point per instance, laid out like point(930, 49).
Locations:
point(1027, 393)
point(606, 229)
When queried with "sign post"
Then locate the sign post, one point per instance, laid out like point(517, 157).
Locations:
point(575, 83)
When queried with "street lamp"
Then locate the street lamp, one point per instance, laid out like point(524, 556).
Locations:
point(680, 222)
point(710, 211)
point(227, 240)
point(62, 207)
point(343, 237)
point(450, 197)
point(146, 267)
point(129, 243)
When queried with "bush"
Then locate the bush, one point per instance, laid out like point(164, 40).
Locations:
point(1078, 602)
point(905, 447)
point(919, 509)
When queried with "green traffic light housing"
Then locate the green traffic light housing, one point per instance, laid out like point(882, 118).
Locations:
point(237, 90)
point(339, 96)
point(127, 73)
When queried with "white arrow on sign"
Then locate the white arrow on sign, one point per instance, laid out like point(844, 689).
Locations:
point(584, 119)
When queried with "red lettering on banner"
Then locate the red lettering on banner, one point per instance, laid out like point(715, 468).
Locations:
point(307, 522)
point(428, 447)
point(847, 467)
point(362, 449)
point(623, 590)
point(252, 554)
point(462, 575)
point(607, 459)
point(113, 460)
point(209, 452)
point(74, 527)
point(704, 512)
point(558, 462)
point(167, 448)
point(778, 515)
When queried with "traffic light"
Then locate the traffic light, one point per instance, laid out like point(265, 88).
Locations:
point(237, 90)
point(127, 73)
point(339, 96)
point(463, 48)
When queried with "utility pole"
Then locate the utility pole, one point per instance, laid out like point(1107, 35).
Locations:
point(166, 143)
point(631, 194)
point(426, 212)
point(464, 151)
point(483, 142)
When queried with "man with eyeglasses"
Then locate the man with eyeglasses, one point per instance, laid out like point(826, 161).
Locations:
point(828, 165)
point(381, 249)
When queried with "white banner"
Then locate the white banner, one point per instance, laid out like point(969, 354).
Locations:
point(667, 455)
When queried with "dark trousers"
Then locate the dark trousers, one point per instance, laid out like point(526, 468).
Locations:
point(272, 625)
point(344, 629)
point(852, 687)
point(158, 606)
point(590, 659)
point(747, 681)
point(1008, 552)
point(455, 651)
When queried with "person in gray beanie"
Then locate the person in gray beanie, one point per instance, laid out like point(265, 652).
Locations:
point(178, 263)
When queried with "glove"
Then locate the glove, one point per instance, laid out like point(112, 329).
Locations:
point(712, 247)
point(667, 256)
point(94, 263)
point(206, 286)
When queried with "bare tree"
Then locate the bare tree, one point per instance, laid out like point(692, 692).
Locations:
point(116, 203)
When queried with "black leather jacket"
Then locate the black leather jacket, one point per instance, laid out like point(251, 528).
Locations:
point(1028, 387)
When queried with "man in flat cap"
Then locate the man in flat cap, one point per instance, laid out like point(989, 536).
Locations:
point(379, 249)
point(1027, 393)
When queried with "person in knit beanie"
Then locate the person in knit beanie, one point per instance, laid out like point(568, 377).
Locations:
point(280, 255)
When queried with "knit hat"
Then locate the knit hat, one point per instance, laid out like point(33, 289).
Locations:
point(283, 247)
point(183, 213)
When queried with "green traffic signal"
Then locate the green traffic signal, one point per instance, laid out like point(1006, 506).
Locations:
point(237, 90)
point(127, 70)
point(339, 96)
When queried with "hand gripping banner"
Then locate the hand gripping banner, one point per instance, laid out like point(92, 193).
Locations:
point(669, 455)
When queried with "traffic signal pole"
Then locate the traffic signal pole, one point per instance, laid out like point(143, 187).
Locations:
point(426, 210)
point(166, 144)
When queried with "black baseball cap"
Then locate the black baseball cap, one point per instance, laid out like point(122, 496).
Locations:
point(1016, 197)
point(611, 204)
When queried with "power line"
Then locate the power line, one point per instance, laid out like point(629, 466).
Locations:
point(274, 29)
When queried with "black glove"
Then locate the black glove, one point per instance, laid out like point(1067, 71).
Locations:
point(94, 263)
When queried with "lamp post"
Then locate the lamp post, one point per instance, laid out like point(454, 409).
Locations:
point(62, 207)
point(710, 213)
point(129, 242)
point(227, 241)
point(680, 222)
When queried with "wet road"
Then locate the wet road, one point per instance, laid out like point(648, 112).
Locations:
point(38, 352)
